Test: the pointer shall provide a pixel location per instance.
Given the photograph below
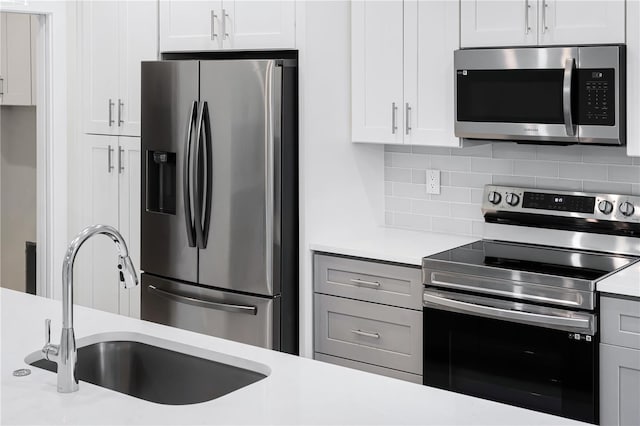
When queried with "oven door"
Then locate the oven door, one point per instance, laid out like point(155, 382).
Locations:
point(544, 359)
point(516, 94)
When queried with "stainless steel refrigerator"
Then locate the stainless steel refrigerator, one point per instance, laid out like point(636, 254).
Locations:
point(219, 226)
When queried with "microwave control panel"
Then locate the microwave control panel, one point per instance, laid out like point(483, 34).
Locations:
point(597, 97)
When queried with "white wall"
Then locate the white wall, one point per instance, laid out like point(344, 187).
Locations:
point(341, 183)
point(52, 153)
point(17, 192)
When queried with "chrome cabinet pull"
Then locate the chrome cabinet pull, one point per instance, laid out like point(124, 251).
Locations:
point(109, 162)
point(213, 29)
point(120, 105)
point(111, 112)
point(394, 112)
point(545, 5)
point(220, 306)
point(407, 123)
point(364, 283)
point(1, 86)
point(566, 97)
point(120, 162)
point(527, 27)
point(366, 334)
point(225, 34)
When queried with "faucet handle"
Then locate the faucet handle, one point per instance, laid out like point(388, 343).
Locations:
point(47, 331)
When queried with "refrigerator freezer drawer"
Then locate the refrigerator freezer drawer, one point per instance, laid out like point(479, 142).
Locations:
point(246, 319)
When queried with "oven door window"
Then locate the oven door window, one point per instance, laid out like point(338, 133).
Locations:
point(510, 96)
point(527, 366)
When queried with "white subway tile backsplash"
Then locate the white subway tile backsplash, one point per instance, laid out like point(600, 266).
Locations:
point(439, 162)
point(464, 173)
point(430, 208)
point(605, 155)
point(583, 171)
point(561, 184)
point(491, 165)
point(470, 180)
point(630, 174)
point(535, 168)
point(397, 204)
point(413, 221)
point(451, 193)
point(607, 187)
point(394, 174)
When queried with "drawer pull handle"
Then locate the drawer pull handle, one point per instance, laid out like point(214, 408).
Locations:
point(363, 283)
point(366, 334)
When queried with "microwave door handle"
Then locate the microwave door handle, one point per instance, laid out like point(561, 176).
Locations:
point(569, 66)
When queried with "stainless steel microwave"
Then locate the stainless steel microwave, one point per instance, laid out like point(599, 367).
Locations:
point(556, 95)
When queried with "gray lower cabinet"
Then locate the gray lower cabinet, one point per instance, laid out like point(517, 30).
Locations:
point(620, 362)
point(368, 316)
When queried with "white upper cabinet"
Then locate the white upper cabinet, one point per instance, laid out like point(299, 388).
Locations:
point(15, 59)
point(402, 71)
point(428, 72)
point(215, 25)
point(581, 22)
point(377, 71)
point(486, 23)
point(116, 37)
point(498, 23)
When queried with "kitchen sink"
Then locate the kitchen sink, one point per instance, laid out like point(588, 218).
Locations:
point(158, 374)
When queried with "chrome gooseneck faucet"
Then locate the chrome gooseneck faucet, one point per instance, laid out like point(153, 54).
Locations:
point(66, 354)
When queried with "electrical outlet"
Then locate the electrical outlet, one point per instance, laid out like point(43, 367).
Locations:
point(433, 181)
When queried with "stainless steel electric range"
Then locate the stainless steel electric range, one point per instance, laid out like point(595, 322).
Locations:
point(514, 317)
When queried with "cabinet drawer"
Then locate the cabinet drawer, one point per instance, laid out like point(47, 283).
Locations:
point(369, 368)
point(376, 334)
point(367, 280)
point(620, 321)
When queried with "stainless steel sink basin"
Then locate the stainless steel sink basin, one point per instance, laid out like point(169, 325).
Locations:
point(155, 373)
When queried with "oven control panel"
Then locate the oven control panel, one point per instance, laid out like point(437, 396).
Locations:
point(611, 207)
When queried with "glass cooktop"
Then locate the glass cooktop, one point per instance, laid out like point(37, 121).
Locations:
point(577, 264)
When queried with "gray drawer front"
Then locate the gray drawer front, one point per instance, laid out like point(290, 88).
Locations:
point(362, 331)
point(368, 280)
point(401, 375)
point(620, 322)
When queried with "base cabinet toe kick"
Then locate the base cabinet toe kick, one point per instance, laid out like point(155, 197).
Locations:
point(368, 316)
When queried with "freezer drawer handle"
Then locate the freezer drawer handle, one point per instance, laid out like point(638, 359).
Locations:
point(239, 309)
point(363, 283)
point(366, 334)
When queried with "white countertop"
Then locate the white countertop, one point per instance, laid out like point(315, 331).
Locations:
point(389, 244)
point(298, 391)
point(625, 282)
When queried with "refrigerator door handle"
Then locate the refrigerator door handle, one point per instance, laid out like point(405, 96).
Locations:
point(202, 177)
point(186, 176)
point(220, 306)
point(208, 163)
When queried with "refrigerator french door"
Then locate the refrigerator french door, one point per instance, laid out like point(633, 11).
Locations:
point(219, 216)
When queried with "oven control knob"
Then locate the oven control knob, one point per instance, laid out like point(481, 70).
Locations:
point(605, 207)
point(627, 208)
point(494, 197)
point(512, 199)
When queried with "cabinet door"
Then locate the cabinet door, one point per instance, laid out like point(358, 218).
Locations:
point(138, 42)
point(190, 25)
point(99, 33)
point(619, 386)
point(498, 23)
point(431, 34)
point(98, 284)
point(258, 24)
point(581, 22)
point(129, 169)
point(15, 65)
point(376, 71)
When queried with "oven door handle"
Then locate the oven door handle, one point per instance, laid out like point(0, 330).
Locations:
point(584, 325)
